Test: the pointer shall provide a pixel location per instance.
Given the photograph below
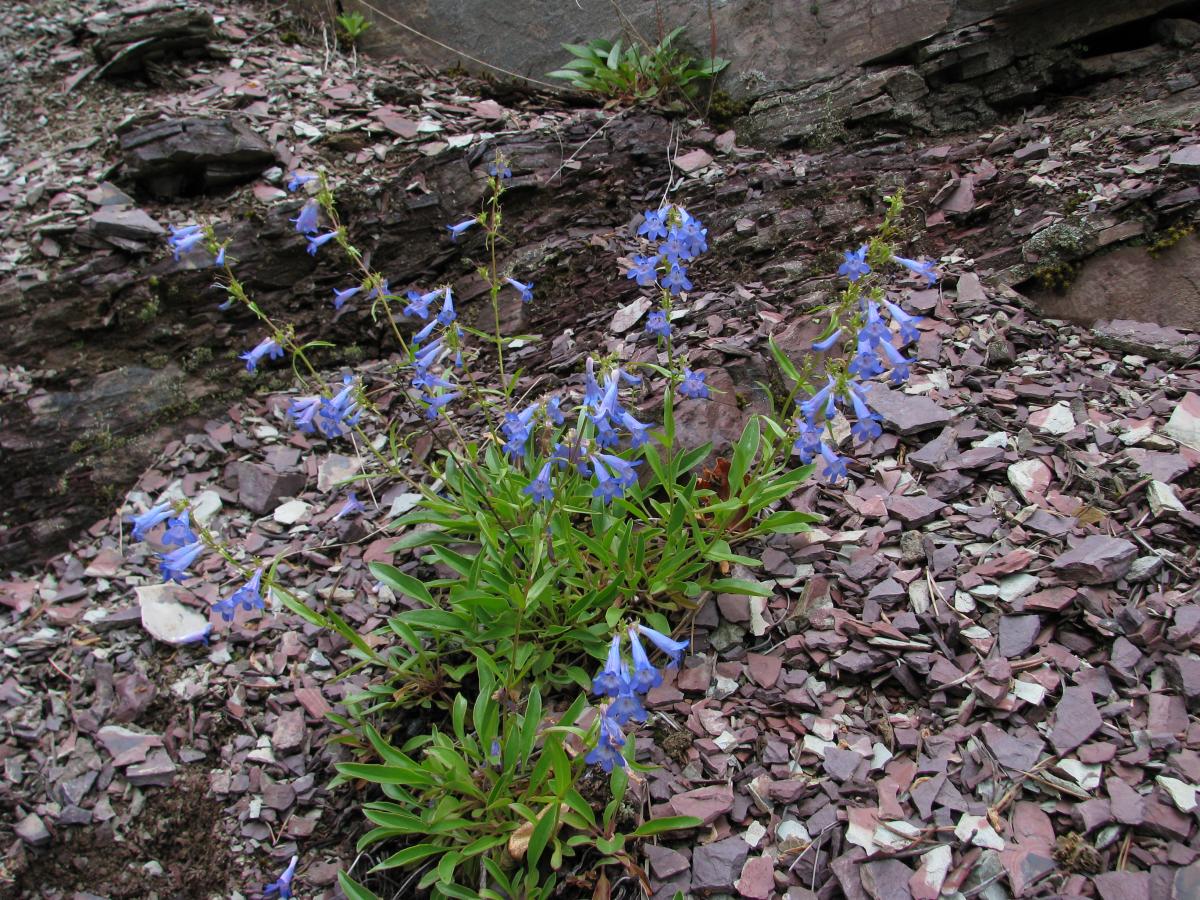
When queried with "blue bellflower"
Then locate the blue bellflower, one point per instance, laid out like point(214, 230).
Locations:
point(693, 385)
point(921, 268)
point(907, 323)
point(457, 230)
point(657, 324)
point(282, 886)
point(539, 489)
point(608, 681)
point(823, 345)
point(835, 465)
point(174, 565)
point(185, 243)
point(654, 225)
point(309, 219)
point(645, 676)
point(267, 347)
point(340, 297)
point(607, 751)
point(299, 179)
point(525, 290)
point(147, 520)
point(855, 266)
point(674, 649)
point(447, 315)
point(351, 507)
point(676, 280)
point(316, 242)
point(644, 270)
point(179, 531)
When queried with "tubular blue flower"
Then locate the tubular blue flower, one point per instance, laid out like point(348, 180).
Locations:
point(694, 237)
point(316, 243)
point(866, 363)
point(266, 347)
point(418, 304)
point(606, 436)
point(516, 425)
point(182, 231)
point(447, 315)
point(591, 390)
point(607, 488)
point(675, 249)
point(607, 752)
point(866, 426)
point(875, 329)
point(907, 323)
point(219, 259)
point(554, 412)
point(302, 410)
point(622, 469)
point(424, 332)
point(638, 432)
point(456, 230)
point(174, 565)
point(299, 179)
point(309, 219)
point(249, 595)
point(674, 649)
point(607, 405)
point(526, 290)
point(340, 297)
point(196, 637)
point(900, 364)
point(341, 412)
point(628, 377)
point(654, 224)
point(810, 407)
point(352, 506)
point(823, 345)
point(436, 404)
point(500, 170)
point(922, 268)
point(657, 324)
point(282, 886)
point(628, 705)
point(645, 676)
point(855, 266)
point(539, 489)
point(383, 290)
point(835, 465)
point(608, 681)
point(185, 243)
point(430, 355)
point(147, 520)
point(644, 269)
point(676, 280)
point(179, 531)
point(808, 444)
point(693, 385)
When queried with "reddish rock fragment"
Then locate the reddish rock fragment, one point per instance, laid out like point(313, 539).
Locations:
point(758, 878)
point(706, 803)
point(1097, 559)
point(886, 879)
point(1123, 885)
point(717, 866)
point(1075, 719)
point(1017, 634)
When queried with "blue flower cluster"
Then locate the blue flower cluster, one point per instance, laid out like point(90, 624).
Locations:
point(267, 347)
point(332, 416)
point(875, 352)
point(626, 689)
point(679, 237)
point(190, 238)
point(437, 391)
point(174, 564)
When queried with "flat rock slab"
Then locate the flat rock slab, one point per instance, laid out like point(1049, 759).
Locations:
point(161, 38)
point(906, 413)
point(1146, 339)
point(191, 156)
point(1097, 559)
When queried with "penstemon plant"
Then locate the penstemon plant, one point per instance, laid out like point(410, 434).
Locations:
point(552, 533)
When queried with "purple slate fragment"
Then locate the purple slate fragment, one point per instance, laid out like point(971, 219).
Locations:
point(1017, 634)
point(716, 866)
point(1075, 719)
point(906, 413)
point(1012, 752)
point(841, 764)
point(886, 879)
point(1097, 559)
point(1128, 806)
point(1123, 885)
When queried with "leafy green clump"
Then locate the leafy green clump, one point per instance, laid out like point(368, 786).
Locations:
point(637, 73)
